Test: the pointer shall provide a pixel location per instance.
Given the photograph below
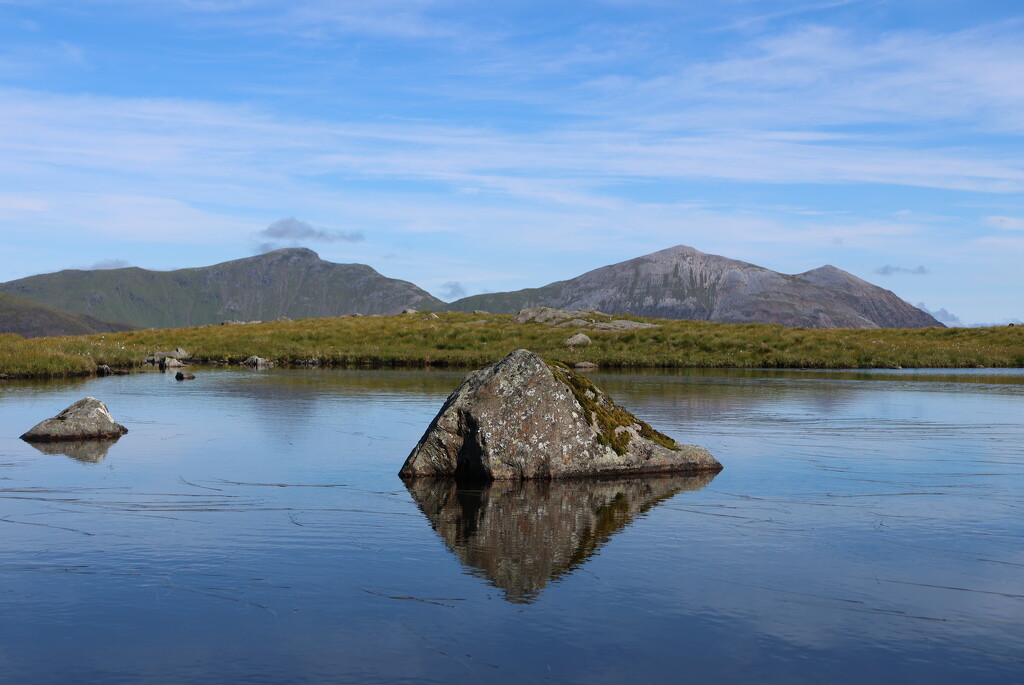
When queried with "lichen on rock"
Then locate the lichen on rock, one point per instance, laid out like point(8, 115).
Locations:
point(523, 418)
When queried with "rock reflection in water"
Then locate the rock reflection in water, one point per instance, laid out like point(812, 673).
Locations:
point(85, 451)
point(522, 535)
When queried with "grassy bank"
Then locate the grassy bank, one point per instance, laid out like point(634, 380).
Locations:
point(467, 340)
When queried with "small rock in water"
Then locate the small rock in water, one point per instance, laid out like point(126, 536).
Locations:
point(584, 365)
point(103, 370)
point(85, 419)
point(257, 362)
point(522, 418)
point(182, 376)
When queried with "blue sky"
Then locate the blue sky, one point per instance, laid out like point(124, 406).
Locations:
point(474, 146)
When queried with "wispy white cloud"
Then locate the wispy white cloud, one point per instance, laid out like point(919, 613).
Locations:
point(821, 75)
point(163, 143)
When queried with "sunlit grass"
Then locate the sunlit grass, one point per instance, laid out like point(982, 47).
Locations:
point(468, 340)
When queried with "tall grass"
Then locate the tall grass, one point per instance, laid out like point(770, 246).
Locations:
point(467, 340)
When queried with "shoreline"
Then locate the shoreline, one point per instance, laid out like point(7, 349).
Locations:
point(467, 341)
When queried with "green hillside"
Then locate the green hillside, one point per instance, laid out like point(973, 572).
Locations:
point(34, 320)
point(294, 283)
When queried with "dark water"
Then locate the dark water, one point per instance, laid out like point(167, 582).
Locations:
point(868, 527)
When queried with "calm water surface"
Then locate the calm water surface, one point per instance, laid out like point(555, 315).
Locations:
point(250, 528)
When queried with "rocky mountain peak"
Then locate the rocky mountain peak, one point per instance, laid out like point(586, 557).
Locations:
point(682, 282)
point(293, 255)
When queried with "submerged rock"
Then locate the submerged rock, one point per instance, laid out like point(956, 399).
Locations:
point(522, 418)
point(182, 376)
point(85, 419)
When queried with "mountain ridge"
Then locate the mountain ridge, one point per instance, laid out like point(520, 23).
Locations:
point(682, 282)
point(292, 282)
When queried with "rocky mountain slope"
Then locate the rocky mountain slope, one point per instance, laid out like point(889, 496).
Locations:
point(34, 320)
point(684, 283)
point(292, 282)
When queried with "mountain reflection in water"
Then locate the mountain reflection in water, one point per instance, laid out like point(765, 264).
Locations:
point(523, 535)
point(86, 451)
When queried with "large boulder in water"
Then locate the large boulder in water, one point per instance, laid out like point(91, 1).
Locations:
point(85, 419)
point(523, 418)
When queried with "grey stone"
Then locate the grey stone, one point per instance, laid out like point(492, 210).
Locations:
point(578, 340)
point(584, 365)
point(481, 311)
point(257, 362)
point(410, 310)
point(521, 418)
point(431, 316)
point(103, 370)
point(170, 363)
point(621, 325)
point(575, 323)
point(85, 419)
point(552, 315)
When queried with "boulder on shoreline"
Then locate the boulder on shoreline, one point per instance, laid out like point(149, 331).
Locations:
point(522, 418)
point(255, 362)
point(86, 419)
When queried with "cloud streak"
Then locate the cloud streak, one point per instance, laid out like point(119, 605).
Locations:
point(106, 264)
point(452, 290)
point(293, 232)
point(890, 270)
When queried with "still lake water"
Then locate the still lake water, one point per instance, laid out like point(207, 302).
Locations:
point(868, 527)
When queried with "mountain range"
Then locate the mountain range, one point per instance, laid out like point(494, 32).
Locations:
point(292, 282)
point(684, 283)
point(677, 283)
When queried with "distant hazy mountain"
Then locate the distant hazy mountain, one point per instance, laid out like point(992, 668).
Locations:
point(291, 282)
point(34, 320)
point(684, 283)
